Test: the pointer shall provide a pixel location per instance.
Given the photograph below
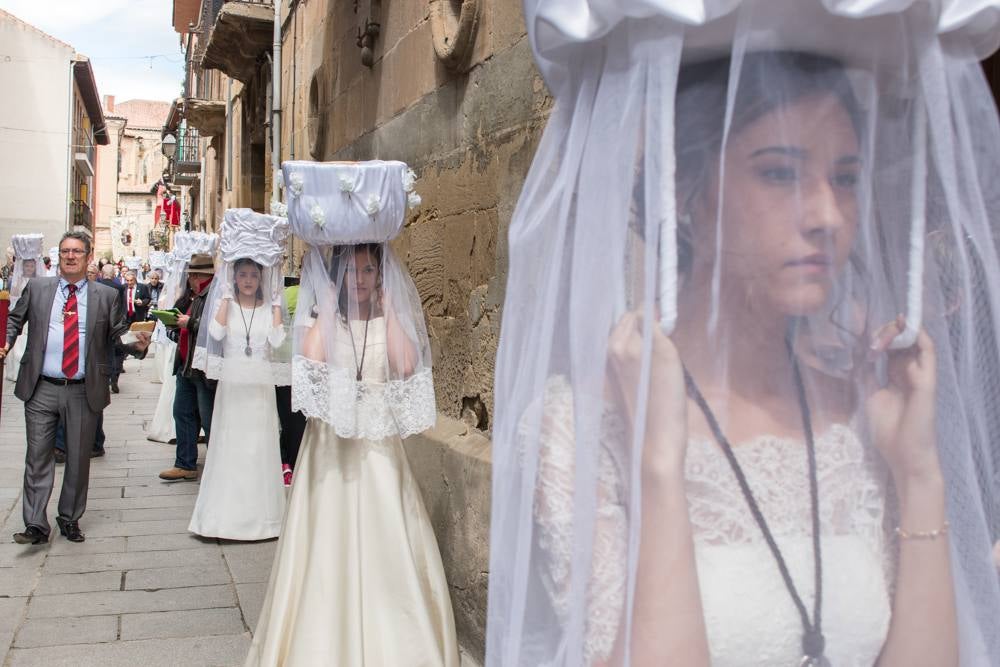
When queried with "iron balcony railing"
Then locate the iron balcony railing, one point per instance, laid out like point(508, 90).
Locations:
point(188, 148)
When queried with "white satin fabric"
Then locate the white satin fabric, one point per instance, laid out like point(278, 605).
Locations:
point(242, 493)
point(357, 580)
point(161, 428)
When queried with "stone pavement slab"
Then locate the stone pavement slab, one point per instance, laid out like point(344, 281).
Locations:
point(140, 590)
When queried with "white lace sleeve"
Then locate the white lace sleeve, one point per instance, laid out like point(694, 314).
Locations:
point(553, 513)
point(216, 330)
point(276, 336)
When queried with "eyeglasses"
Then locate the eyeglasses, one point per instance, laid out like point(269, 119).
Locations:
point(76, 252)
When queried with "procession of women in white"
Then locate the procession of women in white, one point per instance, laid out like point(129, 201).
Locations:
point(748, 385)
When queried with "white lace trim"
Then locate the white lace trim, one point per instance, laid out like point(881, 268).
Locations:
point(367, 409)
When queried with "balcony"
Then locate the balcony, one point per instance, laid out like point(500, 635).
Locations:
point(186, 165)
point(83, 155)
point(83, 219)
point(243, 30)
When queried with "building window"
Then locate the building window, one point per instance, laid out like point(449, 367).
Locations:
point(149, 206)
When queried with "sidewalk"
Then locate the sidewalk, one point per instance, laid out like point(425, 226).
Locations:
point(141, 590)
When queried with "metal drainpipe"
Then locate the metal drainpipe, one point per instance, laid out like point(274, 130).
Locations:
point(276, 105)
point(71, 141)
point(295, 43)
point(229, 135)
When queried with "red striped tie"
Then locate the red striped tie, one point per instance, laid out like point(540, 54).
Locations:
point(71, 334)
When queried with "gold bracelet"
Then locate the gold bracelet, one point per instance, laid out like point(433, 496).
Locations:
point(922, 535)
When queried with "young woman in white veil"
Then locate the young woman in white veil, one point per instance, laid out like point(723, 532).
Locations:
point(27, 265)
point(747, 383)
point(242, 494)
point(162, 428)
point(357, 579)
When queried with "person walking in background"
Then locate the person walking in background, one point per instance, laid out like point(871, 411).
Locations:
point(155, 287)
point(116, 358)
point(194, 396)
point(241, 495)
point(137, 299)
point(72, 322)
point(293, 422)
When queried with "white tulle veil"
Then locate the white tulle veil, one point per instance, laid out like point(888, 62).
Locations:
point(261, 239)
point(27, 247)
point(362, 360)
point(649, 95)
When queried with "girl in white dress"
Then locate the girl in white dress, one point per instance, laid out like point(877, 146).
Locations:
point(718, 441)
point(242, 495)
point(27, 258)
point(357, 580)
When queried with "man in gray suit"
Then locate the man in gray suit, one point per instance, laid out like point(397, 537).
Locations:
point(72, 324)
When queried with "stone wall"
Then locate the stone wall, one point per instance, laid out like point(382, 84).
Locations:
point(469, 127)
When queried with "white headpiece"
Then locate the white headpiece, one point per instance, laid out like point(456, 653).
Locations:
point(27, 247)
point(186, 244)
point(357, 304)
point(238, 341)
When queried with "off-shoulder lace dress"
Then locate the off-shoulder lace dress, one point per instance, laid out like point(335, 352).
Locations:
point(749, 615)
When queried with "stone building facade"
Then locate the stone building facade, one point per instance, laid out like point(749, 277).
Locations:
point(130, 165)
point(451, 89)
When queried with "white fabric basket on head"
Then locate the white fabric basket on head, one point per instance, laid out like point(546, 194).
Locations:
point(133, 263)
point(27, 248)
point(679, 160)
point(186, 244)
point(158, 260)
point(362, 359)
point(238, 341)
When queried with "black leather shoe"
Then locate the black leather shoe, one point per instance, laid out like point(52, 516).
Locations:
point(60, 456)
point(70, 530)
point(114, 386)
point(94, 453)
point(31, 535)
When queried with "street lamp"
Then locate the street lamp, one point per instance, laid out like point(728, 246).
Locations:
point(168, 146)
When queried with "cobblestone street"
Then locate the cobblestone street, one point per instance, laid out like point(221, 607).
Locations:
point(141, 590)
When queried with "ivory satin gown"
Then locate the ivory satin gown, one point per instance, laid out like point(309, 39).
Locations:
point(357, 579)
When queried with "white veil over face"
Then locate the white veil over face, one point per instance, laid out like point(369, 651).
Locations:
point(251, 248)
point(362, 356)
point(186, 244)
point(802, 195)
point(27, 261)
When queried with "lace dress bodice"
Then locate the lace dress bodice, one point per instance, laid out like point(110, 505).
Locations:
point(376, 407)
point(227, 358)
point(749, 616)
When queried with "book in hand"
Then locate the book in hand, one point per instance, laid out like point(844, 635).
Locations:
point(168, 317)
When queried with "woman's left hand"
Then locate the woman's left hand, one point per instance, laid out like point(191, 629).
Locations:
point(902, 413)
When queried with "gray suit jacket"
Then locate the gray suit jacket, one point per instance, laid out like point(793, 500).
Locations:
point(104, 326)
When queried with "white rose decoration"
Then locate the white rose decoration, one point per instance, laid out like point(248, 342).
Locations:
point(347, 183)
point(413, 200)
point(317, 214)
point(279, 209)
point(373, 204)
point(409, 179)
point(295, 183)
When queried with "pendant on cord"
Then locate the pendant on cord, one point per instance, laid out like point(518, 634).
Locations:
point(813, 644)
point(247, 350)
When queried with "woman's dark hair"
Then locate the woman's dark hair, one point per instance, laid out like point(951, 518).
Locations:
point(768, 80)
point(246, 261)
point(339, 263)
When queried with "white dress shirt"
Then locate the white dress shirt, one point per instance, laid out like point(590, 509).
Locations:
point(52, 364)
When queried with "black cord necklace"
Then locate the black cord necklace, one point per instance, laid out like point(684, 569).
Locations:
point(813, 642)
point(247, 350)
point(364, 344)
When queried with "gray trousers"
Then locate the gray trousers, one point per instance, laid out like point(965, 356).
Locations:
point(48, 405)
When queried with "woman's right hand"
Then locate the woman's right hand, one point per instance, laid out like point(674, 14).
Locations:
point(665, 437)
